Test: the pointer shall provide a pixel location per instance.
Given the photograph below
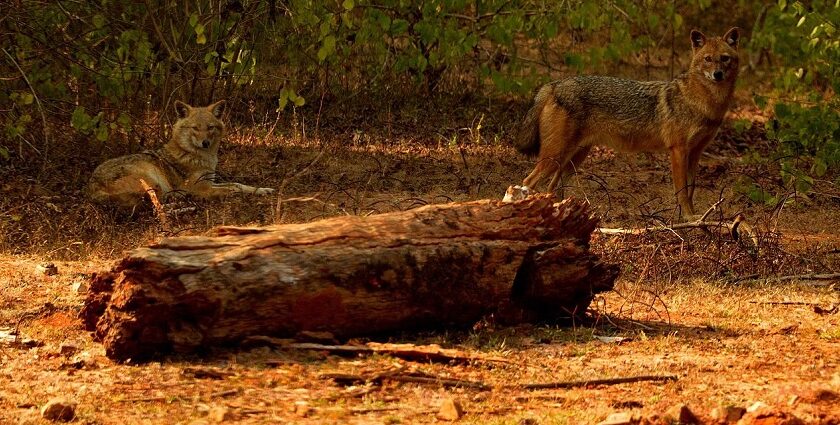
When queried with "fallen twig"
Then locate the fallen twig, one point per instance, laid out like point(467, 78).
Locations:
point(595, 382)
point(737, 226)
point(422, 378)
point(398, 376)
point(423, 353)
point(225, 393)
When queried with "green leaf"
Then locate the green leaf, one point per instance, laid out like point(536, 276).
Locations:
point(399, 27)
point(193, 20)
point(80, 120)
point(283, 99)
point(348, 4)
point(98, 21)
point(102, 133)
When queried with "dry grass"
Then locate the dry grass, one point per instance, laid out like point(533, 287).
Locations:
point(680, 300)
point(723, 342)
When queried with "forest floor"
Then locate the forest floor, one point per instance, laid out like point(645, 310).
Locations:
point(700, 306)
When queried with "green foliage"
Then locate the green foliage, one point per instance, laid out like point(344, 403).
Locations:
point(100, 65)
point(807, 111)
point(119, 59)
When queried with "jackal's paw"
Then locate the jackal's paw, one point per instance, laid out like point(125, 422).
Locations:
point(516, 193)
point(264, 191)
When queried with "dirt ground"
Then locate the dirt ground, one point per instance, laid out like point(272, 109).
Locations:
point(696, 305)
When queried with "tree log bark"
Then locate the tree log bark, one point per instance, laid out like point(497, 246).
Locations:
point(435, 266)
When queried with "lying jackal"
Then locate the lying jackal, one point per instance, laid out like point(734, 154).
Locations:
point(187, 163)
point(681, 116)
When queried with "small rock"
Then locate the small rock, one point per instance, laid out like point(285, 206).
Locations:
point(59, 410)
point(302, 409)
point(728, 413)
point(219, 414)
point(619, 418)
point(67, 349)
point(48, 269)
point(80, 287)
point(316, 337)
point(756, 406)
point(528, 421)
point(450, 410)
point(766, 415)
point(29, 418)
point(682, 414)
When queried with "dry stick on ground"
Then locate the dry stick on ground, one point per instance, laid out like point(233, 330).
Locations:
point(738, 224)
point(161, 214)
point(400, 376)
point(594, 382)
point(425, 353)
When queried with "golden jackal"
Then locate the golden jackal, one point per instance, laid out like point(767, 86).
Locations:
point(187, 163)
point(681, 116)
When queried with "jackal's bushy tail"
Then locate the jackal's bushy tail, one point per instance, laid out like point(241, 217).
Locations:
point(528, 139)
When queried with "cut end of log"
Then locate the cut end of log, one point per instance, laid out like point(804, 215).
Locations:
point(432, 267)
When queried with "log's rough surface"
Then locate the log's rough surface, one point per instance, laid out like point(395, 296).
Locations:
point(439, 265)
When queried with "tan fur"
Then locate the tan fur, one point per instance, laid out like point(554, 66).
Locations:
point(187, 164)
point(680, 116)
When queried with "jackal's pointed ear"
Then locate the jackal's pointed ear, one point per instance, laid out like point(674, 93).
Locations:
point(732, 36)
point(182, 109)
point(217, 108)
point(698, 40)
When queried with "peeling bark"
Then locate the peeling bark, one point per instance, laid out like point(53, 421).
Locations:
point(431, 267)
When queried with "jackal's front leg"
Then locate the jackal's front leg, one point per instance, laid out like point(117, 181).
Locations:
point(207, 189)
point(679, 172)
point(241, 188)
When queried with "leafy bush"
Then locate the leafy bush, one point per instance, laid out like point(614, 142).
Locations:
point(99, 65)
point(806, 123)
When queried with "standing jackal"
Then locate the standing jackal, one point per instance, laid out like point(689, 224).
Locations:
point(187, 163)
point(681, 116)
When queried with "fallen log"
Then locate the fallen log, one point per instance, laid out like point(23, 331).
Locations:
point(435, 266)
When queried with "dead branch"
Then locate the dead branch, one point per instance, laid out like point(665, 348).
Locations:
point(735, 227)
point(159, 211)
point(400, 376)
point(595, 382)
point(422, 353)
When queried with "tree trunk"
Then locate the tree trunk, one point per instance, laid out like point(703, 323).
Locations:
point(435, 266)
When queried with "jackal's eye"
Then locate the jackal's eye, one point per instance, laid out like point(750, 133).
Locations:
point(724, 59)
point(708, 58)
